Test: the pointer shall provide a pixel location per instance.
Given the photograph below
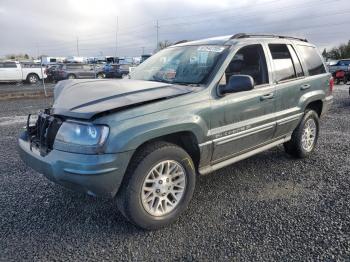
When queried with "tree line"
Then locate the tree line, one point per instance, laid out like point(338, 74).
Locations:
point(336, 53)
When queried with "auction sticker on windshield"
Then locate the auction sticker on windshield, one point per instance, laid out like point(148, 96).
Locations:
point(211, 48)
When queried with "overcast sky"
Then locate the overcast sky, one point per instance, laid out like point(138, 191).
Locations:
point(53, 27)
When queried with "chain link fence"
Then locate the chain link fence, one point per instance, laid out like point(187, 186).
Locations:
point(21, 78)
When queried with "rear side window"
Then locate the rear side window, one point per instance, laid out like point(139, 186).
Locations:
point(9, 65)
point(283, 63)
point(297, 65)
point(73, 67)
point(344, 62)
point(312, 60)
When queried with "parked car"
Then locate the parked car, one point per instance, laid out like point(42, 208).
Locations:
point(76, 71)
point(188, 110)
point(144, 58)
point(50, 71)
point(341, 71)
point(114, 71)
point(11, 71)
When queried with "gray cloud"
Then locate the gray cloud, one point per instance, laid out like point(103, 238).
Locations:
point(52, 27)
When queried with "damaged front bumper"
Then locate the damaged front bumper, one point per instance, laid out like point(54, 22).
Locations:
point(94, 174)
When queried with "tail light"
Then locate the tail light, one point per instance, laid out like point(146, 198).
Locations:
point(331, 84)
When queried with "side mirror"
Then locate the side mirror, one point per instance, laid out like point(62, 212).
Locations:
point(237, 83)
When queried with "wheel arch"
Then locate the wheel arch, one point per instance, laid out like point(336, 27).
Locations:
point(187, 140)
point(316, 105)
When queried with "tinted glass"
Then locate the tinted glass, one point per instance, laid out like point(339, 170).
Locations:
point(297, 65)
point(73, 66)
point(283, 63)
point(249, 60)
point(9, 65)
point(312, 60)
point(344, 62)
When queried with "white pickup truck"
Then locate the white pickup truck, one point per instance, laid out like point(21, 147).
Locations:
point(14, 71)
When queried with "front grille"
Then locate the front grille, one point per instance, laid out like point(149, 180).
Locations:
point(42, 134)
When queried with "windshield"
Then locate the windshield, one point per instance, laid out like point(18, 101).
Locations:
point(180, 65)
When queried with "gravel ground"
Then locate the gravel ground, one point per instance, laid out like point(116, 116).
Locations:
point(20, 86)
point(268, 207)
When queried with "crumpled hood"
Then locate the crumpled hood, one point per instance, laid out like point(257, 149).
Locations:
point(86, 98)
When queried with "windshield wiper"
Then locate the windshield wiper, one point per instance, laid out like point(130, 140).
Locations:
point(158, 79)
point(185, 83)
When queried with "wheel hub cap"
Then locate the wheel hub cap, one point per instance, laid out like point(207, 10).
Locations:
point(163, 188)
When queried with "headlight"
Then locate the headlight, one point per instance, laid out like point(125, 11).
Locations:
point(81, 137)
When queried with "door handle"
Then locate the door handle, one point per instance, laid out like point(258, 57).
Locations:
point(305, 86)
point(267, 96)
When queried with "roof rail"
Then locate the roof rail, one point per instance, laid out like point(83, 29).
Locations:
point(180, 42)
point(243, 35)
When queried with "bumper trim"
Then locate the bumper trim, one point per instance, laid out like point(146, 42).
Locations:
point(90, 172)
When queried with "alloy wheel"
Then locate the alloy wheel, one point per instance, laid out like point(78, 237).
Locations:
point(163, 188)
point(309, 135)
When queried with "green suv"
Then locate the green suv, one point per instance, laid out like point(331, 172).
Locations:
point(188, 110)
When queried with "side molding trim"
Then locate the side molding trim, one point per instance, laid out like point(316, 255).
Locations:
point(208, 169)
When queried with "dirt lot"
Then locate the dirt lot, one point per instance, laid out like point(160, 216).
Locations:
point(268, 207)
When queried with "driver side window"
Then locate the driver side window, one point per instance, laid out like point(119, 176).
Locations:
point(249, 60)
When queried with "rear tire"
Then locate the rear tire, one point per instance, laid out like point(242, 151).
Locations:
point(100, 76)
point(32, 78)
point(157, 186)
point(71, 76)
point(304, 137)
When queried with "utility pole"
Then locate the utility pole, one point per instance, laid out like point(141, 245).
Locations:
point(116, 35)
point(78, 46)
point(157, 27)
point(143, 50)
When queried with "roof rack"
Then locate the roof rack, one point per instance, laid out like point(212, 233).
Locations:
point(243, 35)
point(180, 42)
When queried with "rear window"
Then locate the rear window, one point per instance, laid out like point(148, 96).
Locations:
point(312, 60)
point(283, 63)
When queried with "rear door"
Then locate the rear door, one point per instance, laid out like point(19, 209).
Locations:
point(87, 71)
point(294, 80)
point(289, 80)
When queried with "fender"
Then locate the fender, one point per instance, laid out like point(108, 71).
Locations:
point(309, 97)
point(130, 134)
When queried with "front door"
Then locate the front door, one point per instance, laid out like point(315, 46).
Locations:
point(244, 120)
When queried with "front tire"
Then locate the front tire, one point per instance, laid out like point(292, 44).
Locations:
point(158, 185)
point(305, 136)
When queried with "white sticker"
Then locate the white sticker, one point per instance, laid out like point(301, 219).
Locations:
point(211, 48)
